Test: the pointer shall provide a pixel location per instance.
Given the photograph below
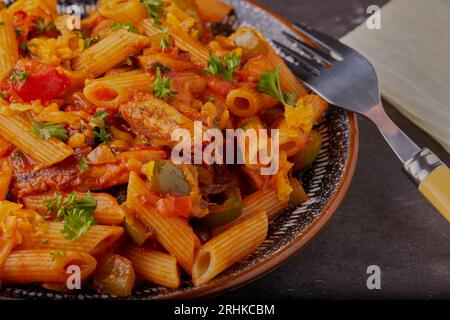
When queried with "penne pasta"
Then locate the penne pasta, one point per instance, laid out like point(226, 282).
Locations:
point(173, 233)
point(9, 53)
point(318, 105)
point(29, 266)
point(94, 242)
point(198, 51)
point(94, 121)
point(107, 212)
point(99, 58)
point(17, 130)
point(154, 266)
point(213, 10)
point(131, 11)
point(113, 90)
point(245, 102)
point(190, 80)
point(229, 247)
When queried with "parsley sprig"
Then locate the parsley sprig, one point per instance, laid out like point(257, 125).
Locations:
point(155, 9)
point(161, 87)
point(83, 165)
point(77, 214)
point(165, 43)
point(18, 76)
point(89, 41)
point(45, 131)
point(127, 26)
point(269, 83)
point(223, 66)
point(101, 130)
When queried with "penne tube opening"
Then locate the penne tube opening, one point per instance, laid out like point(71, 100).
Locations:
point(103, 94)
point(202, 264)
point(229, 247)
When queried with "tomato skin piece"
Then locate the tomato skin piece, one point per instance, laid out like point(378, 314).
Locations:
point(175, 206)
point(43, 83)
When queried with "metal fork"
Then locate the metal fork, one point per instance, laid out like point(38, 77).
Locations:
point(346, 79)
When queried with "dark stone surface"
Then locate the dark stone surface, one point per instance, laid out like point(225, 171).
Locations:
point(384, 221)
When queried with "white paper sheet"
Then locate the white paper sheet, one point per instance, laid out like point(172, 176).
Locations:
point(411, 54)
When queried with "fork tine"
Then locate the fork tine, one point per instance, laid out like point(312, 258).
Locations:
point(312, 51)
point(328, 42)
point(308, 63)
point(305, 75)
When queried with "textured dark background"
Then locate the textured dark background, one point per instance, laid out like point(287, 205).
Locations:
point(383, 221)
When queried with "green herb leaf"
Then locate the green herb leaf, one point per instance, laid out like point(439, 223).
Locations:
point(41, 28)
point(19, 32)
point(127, 26)
point(55, 254)
point(158, 65)
point(2, 95)
point(45, 131)
point(101, 115)
point(269, 83)
point(17, 76)
point(77, 214)
point(102, 135)
point(89, 41)
point(223, 66)
point(83, 165)
point(161, 87)
point(165, 43)
point(155, 9)
point(290, 98)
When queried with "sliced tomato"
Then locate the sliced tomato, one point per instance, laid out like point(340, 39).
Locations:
point(175, 206)
point(43, 82)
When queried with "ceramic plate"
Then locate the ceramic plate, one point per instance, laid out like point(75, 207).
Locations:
point(326, 182)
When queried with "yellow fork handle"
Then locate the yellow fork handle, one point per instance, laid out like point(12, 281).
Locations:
point(436, 189)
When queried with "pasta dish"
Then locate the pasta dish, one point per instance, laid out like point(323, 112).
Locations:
point(90, 195)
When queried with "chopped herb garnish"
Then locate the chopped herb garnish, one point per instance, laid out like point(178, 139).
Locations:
point(155, 9)
point(19, 32)
point(2, 95)
point(83, 165)
point(102, 135)
point(212, 99)
point(161, 87)
point(41, 28)
point(142, 108)
point(89, 41)
point(101, 128)
point(223, 66)
point(45, 131)
point(77, 214)
point(290, 98)
point(101, 115)
point(127, 26)
point(158, 65)
point(269, 83)
point(46, 242)
point(17, 76)
point(17, 155)
point(165, 43)
point(55, 254)
point(216, 123)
